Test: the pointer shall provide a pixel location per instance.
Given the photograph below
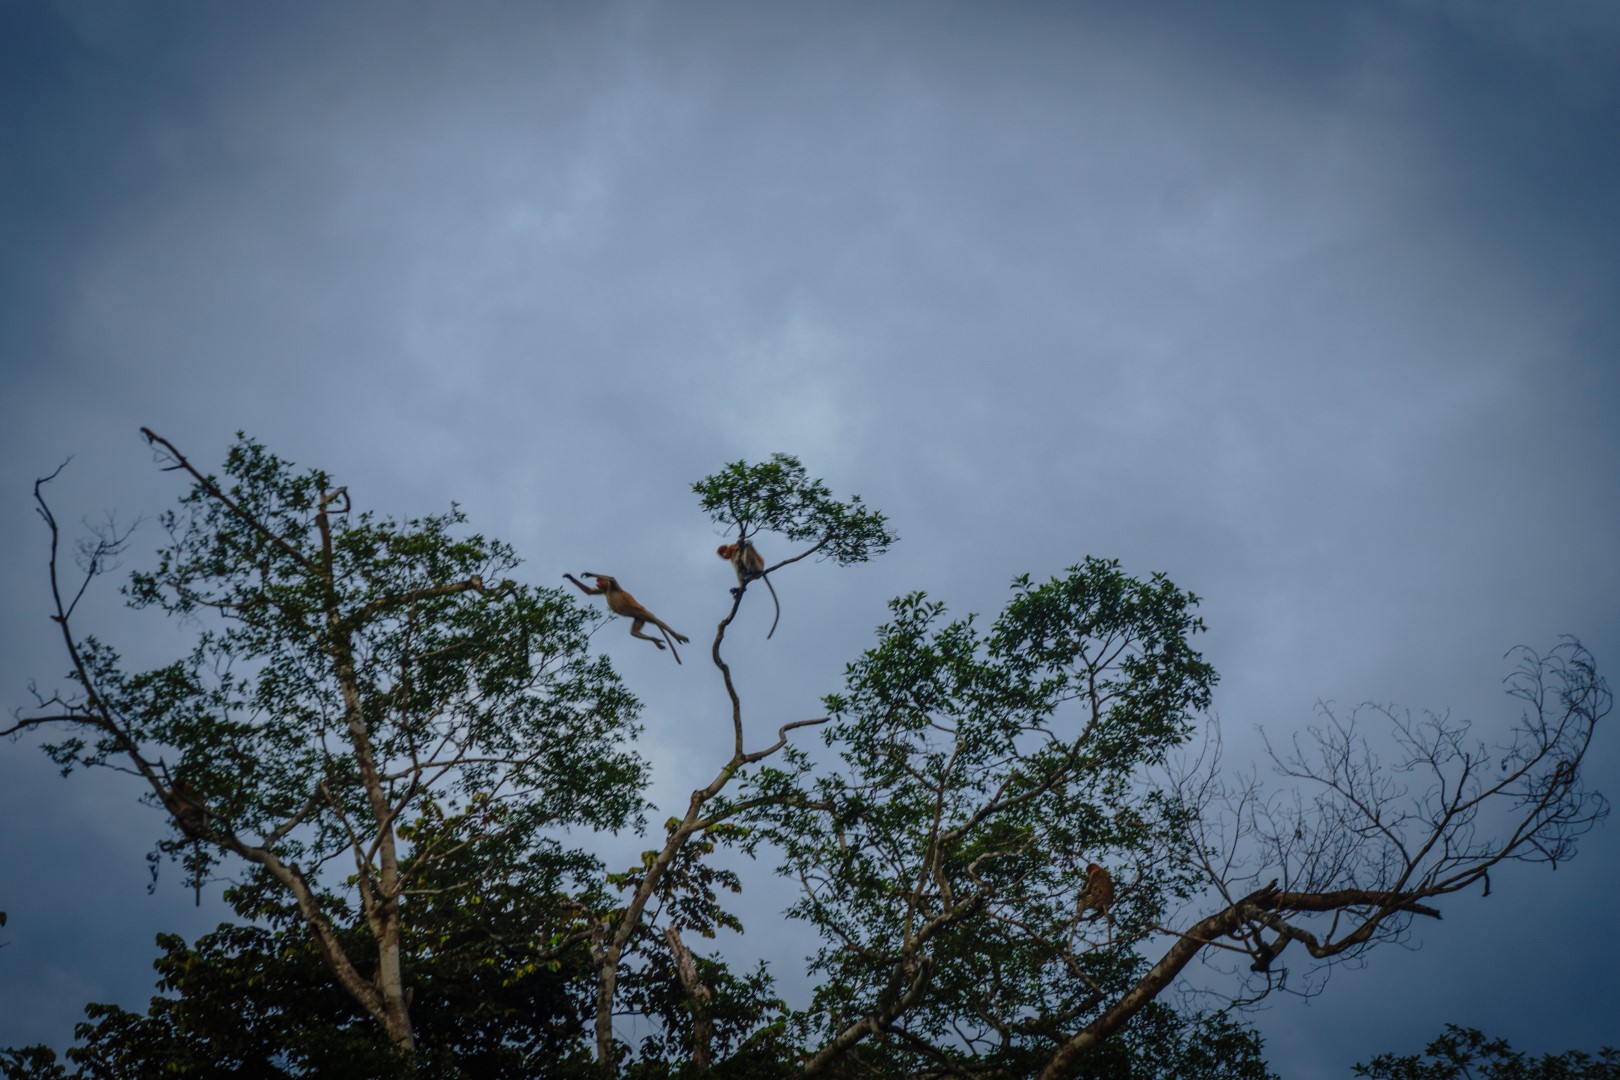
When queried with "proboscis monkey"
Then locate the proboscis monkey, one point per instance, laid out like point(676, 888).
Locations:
point(750, 564)
point(191, 814)
point(1098, 893)
point(622, 603)
point(189, 811)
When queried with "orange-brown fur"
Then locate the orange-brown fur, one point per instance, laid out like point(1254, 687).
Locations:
point(749, 564)
point(622, 603)
point(1098, 893)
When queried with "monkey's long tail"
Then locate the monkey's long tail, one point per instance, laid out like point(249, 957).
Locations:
point(775, 601)
point(668, 636)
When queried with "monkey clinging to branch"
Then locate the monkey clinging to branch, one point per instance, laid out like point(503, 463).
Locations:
point(191, 813)
point(750, 564)
point(622, 603)
point(188, 808)
point(1098, 893)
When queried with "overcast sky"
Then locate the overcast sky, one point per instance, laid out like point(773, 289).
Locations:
point(1315, 307)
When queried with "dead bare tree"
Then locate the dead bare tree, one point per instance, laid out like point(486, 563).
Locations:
point(1388, 812)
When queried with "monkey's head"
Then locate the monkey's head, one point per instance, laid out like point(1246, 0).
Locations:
point(603, 581)
point(1093, 868)
point(726, 551)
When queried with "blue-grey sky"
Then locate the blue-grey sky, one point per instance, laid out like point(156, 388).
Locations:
point(1315, 307)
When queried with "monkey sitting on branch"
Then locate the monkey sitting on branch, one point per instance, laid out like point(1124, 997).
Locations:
point(1098, 892)
point(750, 564)
point(622, 603)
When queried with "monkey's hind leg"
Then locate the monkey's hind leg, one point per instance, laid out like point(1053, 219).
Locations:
point(635, 631)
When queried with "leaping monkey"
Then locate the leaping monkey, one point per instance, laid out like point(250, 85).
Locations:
point(622, 603)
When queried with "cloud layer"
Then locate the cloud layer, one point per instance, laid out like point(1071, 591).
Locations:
point(1311, 307)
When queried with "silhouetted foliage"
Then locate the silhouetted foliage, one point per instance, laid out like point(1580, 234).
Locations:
point(388, 738)
point(1466, 1054)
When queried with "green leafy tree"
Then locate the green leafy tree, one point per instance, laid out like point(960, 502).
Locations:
point(1466, 1054)
point(942, 856)
point(965, 777)
point(350, 673)
point(499, 987)
point(777, 496)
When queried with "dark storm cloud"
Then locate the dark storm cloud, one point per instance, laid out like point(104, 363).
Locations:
point(1308, 305)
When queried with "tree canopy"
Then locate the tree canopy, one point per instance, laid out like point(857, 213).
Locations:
point(1464, 1053)
point(402, 752)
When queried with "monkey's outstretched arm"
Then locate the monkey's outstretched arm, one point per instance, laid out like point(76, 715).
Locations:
point(584, 588)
